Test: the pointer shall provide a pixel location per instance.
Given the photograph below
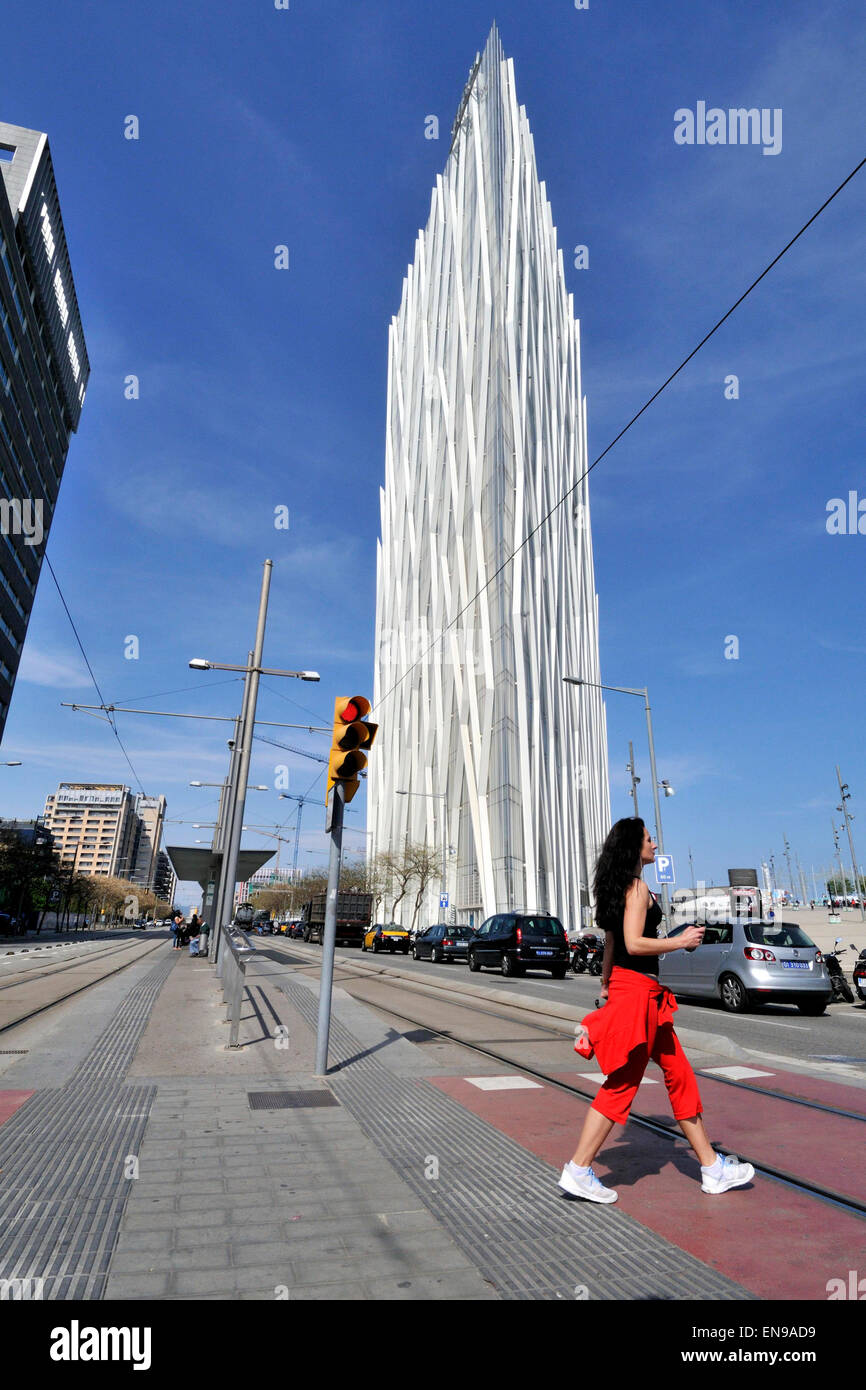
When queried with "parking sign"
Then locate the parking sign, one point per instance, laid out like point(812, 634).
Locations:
point(664, 869)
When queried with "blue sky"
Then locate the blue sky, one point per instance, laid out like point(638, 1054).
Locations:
point(261, 388)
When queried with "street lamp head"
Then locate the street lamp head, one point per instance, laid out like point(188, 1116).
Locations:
point(310, 676)
point(196, 784)
point(573, 680)
point(198, 663)
point(14, 763)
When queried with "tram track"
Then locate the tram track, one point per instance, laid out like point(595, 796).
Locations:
point(89, 984)
point(42, 969)
point(478, 1006)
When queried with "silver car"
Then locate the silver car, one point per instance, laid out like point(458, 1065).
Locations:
point(746, 962)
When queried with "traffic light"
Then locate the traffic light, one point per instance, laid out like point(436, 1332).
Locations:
point(351, 739)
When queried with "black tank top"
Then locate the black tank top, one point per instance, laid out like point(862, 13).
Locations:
point(645, 965)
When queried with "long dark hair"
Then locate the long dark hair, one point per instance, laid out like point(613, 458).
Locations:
point(618, 864)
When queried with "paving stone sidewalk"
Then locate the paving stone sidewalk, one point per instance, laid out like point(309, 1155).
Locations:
point(235, 1203)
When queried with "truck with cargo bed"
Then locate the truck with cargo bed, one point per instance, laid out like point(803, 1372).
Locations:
point(353, 917)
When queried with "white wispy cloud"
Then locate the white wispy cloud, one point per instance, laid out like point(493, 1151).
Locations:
point(41, 667)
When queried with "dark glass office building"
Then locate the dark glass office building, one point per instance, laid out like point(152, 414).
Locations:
point(43, 377)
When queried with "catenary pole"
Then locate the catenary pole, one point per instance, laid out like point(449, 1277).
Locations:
point(655, 782)
point(845, 794)
point(234, 844)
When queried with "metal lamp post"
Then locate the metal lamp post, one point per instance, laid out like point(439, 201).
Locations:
point(846, 797)
point(239, 776)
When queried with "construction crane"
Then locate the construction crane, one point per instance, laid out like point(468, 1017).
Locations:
point(304, 752)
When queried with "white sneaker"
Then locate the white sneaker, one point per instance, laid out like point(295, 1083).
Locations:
point(733, 1174)
point(586, 1185)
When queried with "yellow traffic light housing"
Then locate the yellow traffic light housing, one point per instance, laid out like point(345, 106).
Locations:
point(351, 739)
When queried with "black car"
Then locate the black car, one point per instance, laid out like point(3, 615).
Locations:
point(443, 943)
point(517, 941)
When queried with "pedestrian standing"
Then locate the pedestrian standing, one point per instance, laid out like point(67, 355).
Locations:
point(193, 931)
point(636, 1023)
point(178, 931)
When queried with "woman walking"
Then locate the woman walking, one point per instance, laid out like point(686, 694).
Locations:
point(636, 1024)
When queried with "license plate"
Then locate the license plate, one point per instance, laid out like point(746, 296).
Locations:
point(796, 964)
point(544, 953)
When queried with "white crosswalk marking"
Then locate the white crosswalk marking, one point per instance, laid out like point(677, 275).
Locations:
point(599, 1077)
point(504, 1083)
point(736, 1073)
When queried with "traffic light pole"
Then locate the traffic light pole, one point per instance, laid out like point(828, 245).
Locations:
point(330, 933)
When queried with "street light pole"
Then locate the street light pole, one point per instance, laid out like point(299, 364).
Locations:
point(644, 694)
point(841, 892)
point(846, 797)
point(634, 780)
point(655, 780)
point(222, 833)
point(249, 719)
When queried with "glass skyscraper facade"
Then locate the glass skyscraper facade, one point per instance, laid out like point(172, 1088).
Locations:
point(43, 378)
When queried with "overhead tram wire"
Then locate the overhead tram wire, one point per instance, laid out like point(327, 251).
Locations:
point(182, 689)
point(289, 701)
point(92, 676)
point(646, 405)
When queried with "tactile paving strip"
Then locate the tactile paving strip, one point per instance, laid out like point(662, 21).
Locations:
point(65, 1161)
point(499, 1202)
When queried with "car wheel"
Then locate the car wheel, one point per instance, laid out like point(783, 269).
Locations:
point(473, 962)
point(558, 972)
point(415, 955)
point(509, 966)
point(363, 945)
point(375, 948)
point(733, 995)
point(435, 956)
point(812, 1007)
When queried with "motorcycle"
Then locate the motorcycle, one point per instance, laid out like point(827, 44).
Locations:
point(841, 988)
point(588, 955)
point(860, 975)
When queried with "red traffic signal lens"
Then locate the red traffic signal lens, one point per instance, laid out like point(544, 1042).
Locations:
point(350, 713)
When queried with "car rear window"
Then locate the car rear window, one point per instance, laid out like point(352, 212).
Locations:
point(540, 926)
point(776, 934)
point(459, 933)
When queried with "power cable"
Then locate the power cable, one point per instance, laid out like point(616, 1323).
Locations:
point(92, 676)
point(117, 704)
point(289, 701)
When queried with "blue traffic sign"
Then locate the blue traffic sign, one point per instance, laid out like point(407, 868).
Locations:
point(664, 869)
point(443, 900)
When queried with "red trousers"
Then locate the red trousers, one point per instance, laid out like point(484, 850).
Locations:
point(658, 1043)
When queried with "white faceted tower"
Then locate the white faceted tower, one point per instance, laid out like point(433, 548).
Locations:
point(506, 765)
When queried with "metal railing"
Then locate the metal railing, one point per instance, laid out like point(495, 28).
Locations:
point(236, 953)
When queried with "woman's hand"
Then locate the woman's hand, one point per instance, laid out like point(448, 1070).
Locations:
point(604, 991)
point(690, 938)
